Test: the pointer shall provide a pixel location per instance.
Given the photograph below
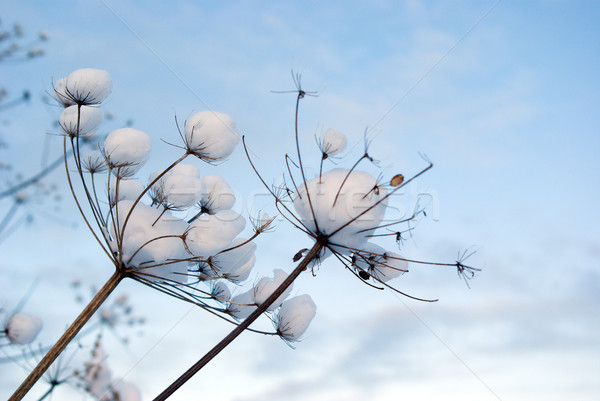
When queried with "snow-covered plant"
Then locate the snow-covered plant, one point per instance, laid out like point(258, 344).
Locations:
point(342, 210)
point(176, 232)
point(21, 347)
point(295, 316)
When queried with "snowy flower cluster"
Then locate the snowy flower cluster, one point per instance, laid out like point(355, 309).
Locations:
point(344, 210)
point(177, 228)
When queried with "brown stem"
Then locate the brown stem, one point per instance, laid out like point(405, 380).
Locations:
point(68, 335)
point(314, 251)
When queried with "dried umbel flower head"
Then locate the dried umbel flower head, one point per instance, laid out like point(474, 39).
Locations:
point(215, 194)
point(236, 263)
point(295, 316)
point(86, 86)
point(374, 261)
point(80, 120)
point(126, 150)
point(267, 285)
point(125, 189)
point(181, 186)
point(210, 234)
point(93, 162)
point(332, 143)
point(152, 235)
point(210, 135)
point(340, 204)
point(241, 305)
point(22, 328)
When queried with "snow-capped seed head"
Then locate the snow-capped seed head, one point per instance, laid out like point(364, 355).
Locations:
point(235, 263)
point(60, 93)
point(85, 86)
point(397, 180)
point(263, 223)
point(181, 186)
point(295, 316)
point(151, 241)
point(332, 143)
point(93, 162)
point(128, 189)
point(267, 285)
point(22, 328)
point(374, 261)
point(265, 219)
point(358, 206)
point(87, 121)
point(220, 291)
point(126, 150)
point(210, 234)
point(243, 271)
point(211, 135)
point(241, 305)
point(215, 194)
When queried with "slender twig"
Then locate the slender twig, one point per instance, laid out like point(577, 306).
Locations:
point(312, 210)
point(109, 254)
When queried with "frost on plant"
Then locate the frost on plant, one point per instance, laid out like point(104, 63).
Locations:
point(295, 316)
point(87, 86)
point(211, 135)
point(175, 231)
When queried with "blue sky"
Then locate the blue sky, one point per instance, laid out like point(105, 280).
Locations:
point(501, 95)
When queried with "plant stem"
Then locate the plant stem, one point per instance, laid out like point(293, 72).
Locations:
point(314, 251)
point(68, 335)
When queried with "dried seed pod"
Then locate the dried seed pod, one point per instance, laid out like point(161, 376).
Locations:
point(299, 254)
point(397, 180)
point(364, 275)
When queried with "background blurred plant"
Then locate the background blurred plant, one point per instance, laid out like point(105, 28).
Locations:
point(20, 346)
point(17, 47)
point(24, 194)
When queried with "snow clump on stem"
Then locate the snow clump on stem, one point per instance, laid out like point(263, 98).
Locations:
point(295, 316)
point(341, 204)
point(211, 135)
point(126, 150)
point(22, 328)
point(266, 286)
point(332, 143)
point(80, 120)
point(85, 86)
